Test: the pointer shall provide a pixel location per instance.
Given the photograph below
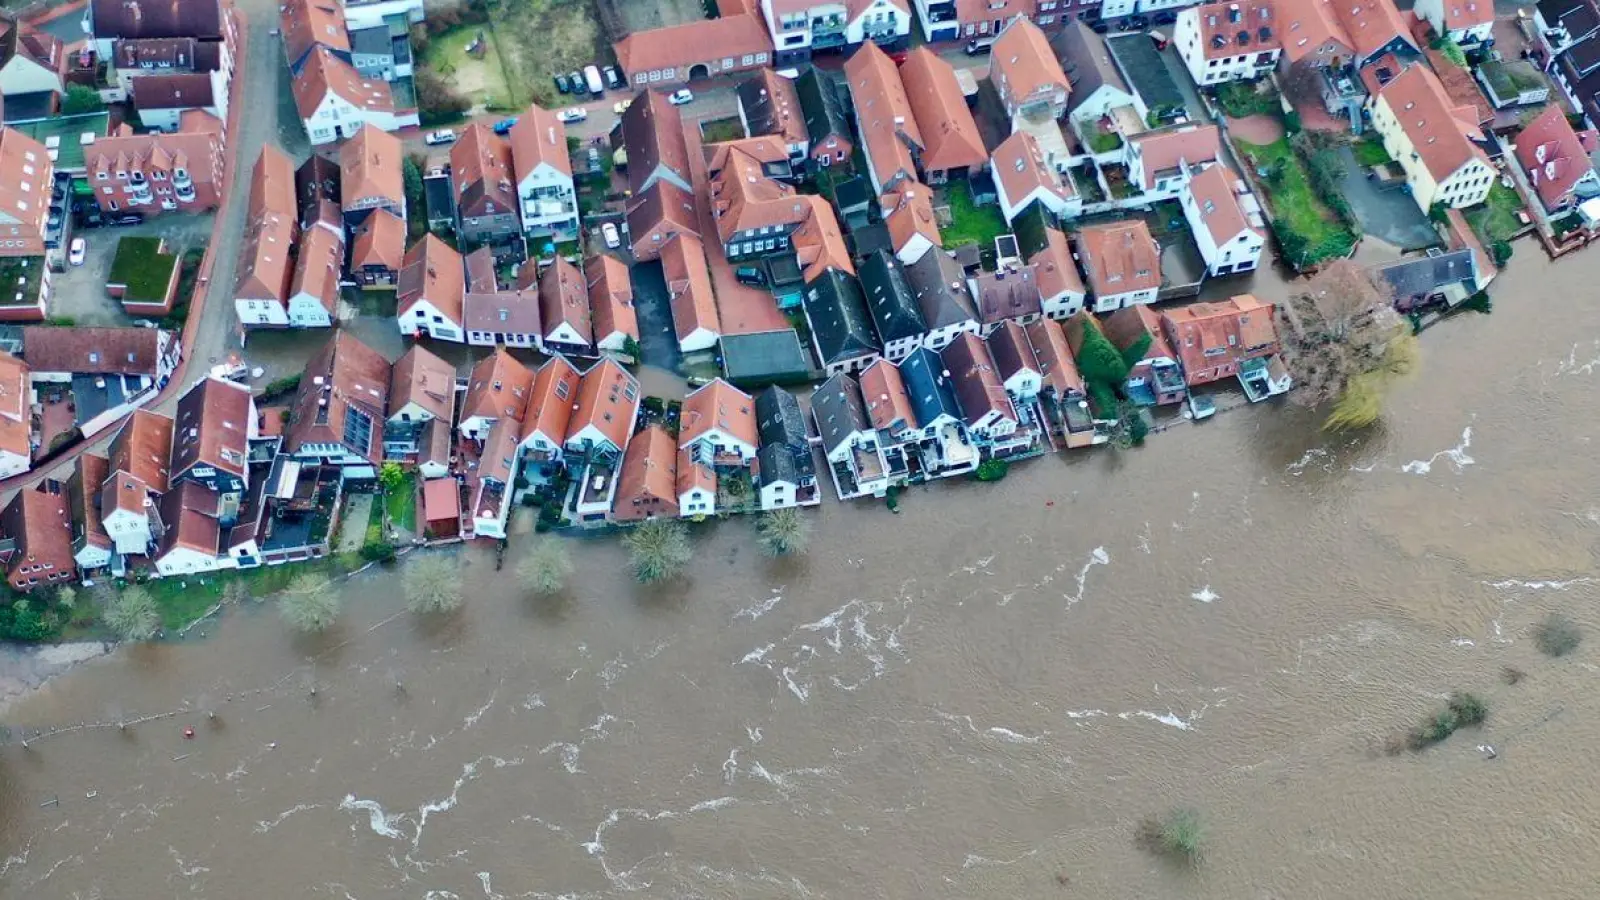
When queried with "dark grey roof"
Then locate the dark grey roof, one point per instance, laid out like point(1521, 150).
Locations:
point(939, 286)
point(757, 106)
point(869, 239)
point(1417, 278)
point(778, 463)
point(853, 194)
point(1578, 16)
point(779, 419)
point(889, 301)
point(822, 105)
point(29, 107)
point(930, 390)
point(838, 316)
point(1086, 61)
point(441, 199)
point(371, 41)
point(839, 411)
point(1141, 66)
point(752, 360)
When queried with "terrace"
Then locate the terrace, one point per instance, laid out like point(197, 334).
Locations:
point(65, 137)
point(21, 279)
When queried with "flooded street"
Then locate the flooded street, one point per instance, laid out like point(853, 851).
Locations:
point(979, 697)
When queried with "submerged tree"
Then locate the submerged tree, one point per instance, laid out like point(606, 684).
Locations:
point(546, 569)
point(132, 615)
point(433, 585)
point(1345, 344)
point(1178, 835)
point(659, 549)
point(310, 602)
point(783, 532)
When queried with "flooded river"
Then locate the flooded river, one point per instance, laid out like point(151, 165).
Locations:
point(979, 697)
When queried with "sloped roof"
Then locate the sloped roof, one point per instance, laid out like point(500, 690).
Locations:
point(977, 381)
point(551, 400)
point(1056, 364)
point(679, 46)
point(1053, 267)
point(883, 113)
point(345, 377)
point(1120, 257)
point(611, 296)
point(318, 269)
point(721, 406)
point(648, 471)
point(1218, 205)
point(371, 164)
point(1019, 165)
point(907, 212)
point(683, 262)
point(1235, 27)
point(949, 134)
point(608, 400)
point(1022, 58)
point(822, 106)
point(652, 135)
point(143, 449)
point(772, 107)
point(940, 287)
point(890, 301)
point(325, 73)
point(539, 138)
point(884, 393)
point(380, 241)
point(212, 427)
point(498, 388)
point(838, 408)
point(1164, 151)
point(423, 378)
point(564, 297)
point(480, 169)
point(432, 271)
point(1550, 152)
point(1440, 132)
point(837, 312)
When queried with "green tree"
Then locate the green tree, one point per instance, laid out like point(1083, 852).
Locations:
point(1134, 353)
point(659, 549)
point(1449, 49)
point(1178, 835)
point(392, 476)
point(81, 99)
point(132, 615)
point(310, 602)
point(1557, 635)
point(546, 568)
point(1438, 213)
point(433, 585)
point(784, 532)
point(1098, 358)
point(630, 348)
point(991, 470)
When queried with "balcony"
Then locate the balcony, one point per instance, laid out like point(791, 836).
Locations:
point(545, 209)
point(185, 193)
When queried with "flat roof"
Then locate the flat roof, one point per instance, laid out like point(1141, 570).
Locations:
point(766, 357)
point(69, 132)
point(1141, 66)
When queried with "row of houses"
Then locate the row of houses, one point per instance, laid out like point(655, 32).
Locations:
point(350, 65)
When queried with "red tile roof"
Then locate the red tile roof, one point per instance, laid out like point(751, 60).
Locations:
point(422, 378)
point(38, 522)
point(907, 212)
point(1120, 257)
point(1552, 155)
point(380, 241)
point(16, 427)
point(538, 138)
point(1440, 132)
point(480, 169)
point(143, 448)
point(1020, 167)
point(1056, 365)
point(949, 133)
point(1362, 26)
point(371, 167)
point(887, 400)
point(178, 91)
point(611, 297)
point(679, 46)
point(564, 297)
point(883, 113)
point(1053, 267)
point(647, 482)
point(272, 184)
point(819, 243)
point(1458, 84)
point(1207, 334)
point(1460, 15)
point(555, 387)
point(345, 378)
point(1219, 205)
point(307, 23)
point(92, 351)
point(325, 73)
point(604, 402)
point(433, 271)
point(263, 270)
point(1164, 151)
point(498, 388)
point(652, 135)
point(92, 471)
point(1022, 60)
point(718, 405)
point(692, 475)
point(212, 427)
point(25, 172)
point(683, 262)
point(319, 268)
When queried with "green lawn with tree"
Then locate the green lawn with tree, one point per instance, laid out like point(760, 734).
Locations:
point(969, 222)
point(1309, 231)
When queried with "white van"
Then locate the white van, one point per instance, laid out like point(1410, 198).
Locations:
point(591, 76)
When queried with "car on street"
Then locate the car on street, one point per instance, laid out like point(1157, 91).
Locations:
point(619, 107)
point(504, 126)
point(572, 114)
point(76, 252)
point(980, 46)
point(612, 77)
point(562, 84)
point(442, 136)
point(609, 232)
point(680, 96)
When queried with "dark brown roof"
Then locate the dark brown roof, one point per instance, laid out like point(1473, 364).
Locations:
point(155, 18)
point(172, 92)
point(178, 54)
point(1007, 294)
point(91, 351)
point(212, 427)
point(480, 166)
point(652, 133)
point(978, 387)
point(1011, 350)
point(142, 449)
point(84, 488)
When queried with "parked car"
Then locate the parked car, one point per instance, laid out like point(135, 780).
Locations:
point(980, 46)
point(572, 114)
point(613, 77)
point(680, 96)
point(442, 136)
point(1166, 17)
point(1138, 23)
point(504, 126)
point(591, 77)
point(1099, 27)
point(619, 107)
point(609, 232)
point(562, 84)
point(576, 79)
point(124, 219)
point(76, 252)
point(752, 275)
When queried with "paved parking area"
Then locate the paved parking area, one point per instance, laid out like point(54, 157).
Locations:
point(80, 291)
point(1385, 212)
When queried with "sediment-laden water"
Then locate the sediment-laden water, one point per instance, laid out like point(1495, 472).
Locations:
point(979, 697)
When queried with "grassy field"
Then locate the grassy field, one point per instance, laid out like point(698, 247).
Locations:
point(1496, 218)
point(969, 223)
point(402, 504)
point(542, 38)
point(718, 130)
point(485, 81)
point(1295, 207)
point(1369, 151)
point(143, 268)
point(184, 599)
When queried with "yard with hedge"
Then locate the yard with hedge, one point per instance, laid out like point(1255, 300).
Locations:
point(1309, 231)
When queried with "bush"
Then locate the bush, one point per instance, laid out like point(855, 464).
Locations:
point(310, 603)
point(377, 551)
point(433, 585)
point(991, 470)
point(1179, 835)
point(1501, 252)
point(132, 615)
point(1556, 635)
point(392, 476)
point(659, 549)
point(81, 99)
point(546, 569)
point(437, 102)
point(783, 532)
point(288, 384)
point(1291, 122)
point(1461, 711)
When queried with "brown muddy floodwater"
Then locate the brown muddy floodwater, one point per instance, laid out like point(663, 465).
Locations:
point(980, 697)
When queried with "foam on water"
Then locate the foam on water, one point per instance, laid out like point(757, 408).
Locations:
point(264, 826)
point(760, 609)
point(1206, 595)
point(381, 823)
point(1457, 456)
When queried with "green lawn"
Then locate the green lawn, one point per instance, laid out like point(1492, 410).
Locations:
point(718, 130)
point(1104, 141)
point(969, 223)
point(1295, 207)
point(481, 80)
point(143, 269)
point(402, 504)
point(1369, 151)
point(1239, 99)
point(1496, 218)
point(183, 599)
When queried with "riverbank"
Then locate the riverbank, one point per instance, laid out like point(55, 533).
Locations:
point(25, 669)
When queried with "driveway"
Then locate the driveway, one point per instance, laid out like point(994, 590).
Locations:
point(658, 341)
point(1386, 212)
point(80, 291)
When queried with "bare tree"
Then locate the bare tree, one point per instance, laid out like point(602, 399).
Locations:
point(1303, 85)
point(433, 585)
point(545, 570)
point(310, 602)
point(132, 615)
point(1344, 342)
